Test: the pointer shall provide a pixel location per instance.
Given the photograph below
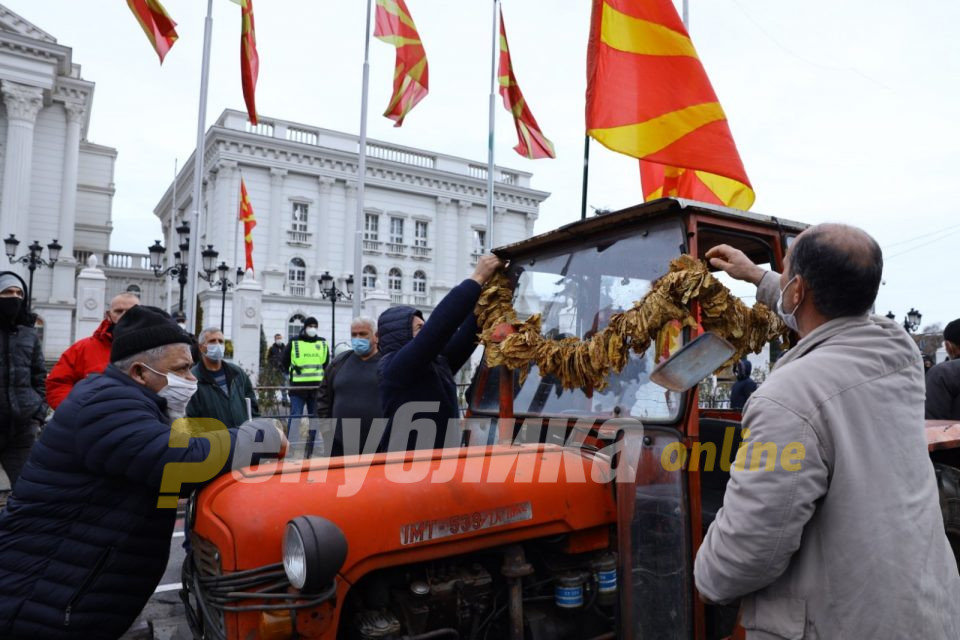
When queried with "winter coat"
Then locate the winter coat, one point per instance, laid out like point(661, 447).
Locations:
point(420, 370)
point(22, 376)
point(943, 391)
point(211, 402)
point(83, 542)
point(275, 356)
point(845, 539)
point(83, 357)
point(744, 386)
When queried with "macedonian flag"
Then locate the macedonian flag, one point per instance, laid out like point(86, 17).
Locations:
point(249, 60)
point(153, 19)
point(533, 144)
point(410, 77)
point(648, 96)
point(249, 222)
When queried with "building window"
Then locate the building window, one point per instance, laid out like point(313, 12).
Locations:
point(479, 242)
point(396, 230)
point(369, 277)
point(420, 287)
point(371, 232)
point(298, 224)
point(420, 233)
point(297, 278)
point(134, 289)
point(294, 326)
point(395, 284)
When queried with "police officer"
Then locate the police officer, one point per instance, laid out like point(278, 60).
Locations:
point(305, 358)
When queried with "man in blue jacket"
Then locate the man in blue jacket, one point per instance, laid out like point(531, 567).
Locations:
point(84, 541)
point(418, 360)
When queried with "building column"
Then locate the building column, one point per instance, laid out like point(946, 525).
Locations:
point(324, 238)
point(23, 104)
point(464, 241)
point(531, 219)
point(64, 270)
point(276, 219)
point(443, 241)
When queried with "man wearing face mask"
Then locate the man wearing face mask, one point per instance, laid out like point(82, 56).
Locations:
point(22, 376)
point(89, 355)
point(306, 359)
point(840, 534)
point(222, 388)
point(350, 391)
point(83, 541)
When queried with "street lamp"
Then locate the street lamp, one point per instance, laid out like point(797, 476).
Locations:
point(329, 290)
point(181, 259)
point(209, 256)
point(32, 259)
point(912, 321)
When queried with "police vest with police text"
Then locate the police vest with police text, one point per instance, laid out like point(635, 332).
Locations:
point(307, 360)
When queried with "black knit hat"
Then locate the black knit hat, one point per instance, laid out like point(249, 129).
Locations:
point(311, 321)
point(144, 327)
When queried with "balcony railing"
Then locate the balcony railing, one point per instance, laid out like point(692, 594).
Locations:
point(421, 252)
point(395, 249)
point(297, 289)
point(371, 246)
point(115, 260)
point(301, 135)
point(506, 177)
point(396, 298)
point(404, 156)
point(298, 237)
point(421, 299)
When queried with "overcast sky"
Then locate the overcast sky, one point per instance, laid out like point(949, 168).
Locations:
point(842, 111)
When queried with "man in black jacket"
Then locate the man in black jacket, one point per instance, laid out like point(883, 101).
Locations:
point(943, 380)
point(419, 359)
point(23, 407)
point(86, 534)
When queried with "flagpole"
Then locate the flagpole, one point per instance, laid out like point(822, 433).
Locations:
point(586, 175)
point(198, 170)
point(495, 49)
point(173, 224)
point(361, 170)
point(686, 15)
point(241, 237)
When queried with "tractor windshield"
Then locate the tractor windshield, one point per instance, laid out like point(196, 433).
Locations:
point(576, 291)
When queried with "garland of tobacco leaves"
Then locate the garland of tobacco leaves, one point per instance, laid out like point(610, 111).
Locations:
point(588, 363)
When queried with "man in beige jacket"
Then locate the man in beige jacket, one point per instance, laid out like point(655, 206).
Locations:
point(850, 542)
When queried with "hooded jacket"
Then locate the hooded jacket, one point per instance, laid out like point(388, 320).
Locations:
point(22, 371)
point(843, 537)
point(744, 386)
point(83, 542)
point(420, 370)
point(83, 357)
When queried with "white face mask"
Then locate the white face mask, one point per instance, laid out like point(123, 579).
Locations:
point(789, 319)
point(312, 332)
point(177, 393)
point(215, 352)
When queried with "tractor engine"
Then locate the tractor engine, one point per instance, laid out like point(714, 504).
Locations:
point(533, 591)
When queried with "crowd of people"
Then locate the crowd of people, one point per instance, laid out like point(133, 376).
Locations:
point(85, 494)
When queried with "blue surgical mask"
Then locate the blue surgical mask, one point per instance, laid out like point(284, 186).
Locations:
point(361, 346)
point(789, 319)
point(215, 352)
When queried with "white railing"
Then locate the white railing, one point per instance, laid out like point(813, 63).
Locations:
point(301, 135)
point(298, 237)
point(396, 298)
point(261, 129)
point(138, 261)
point(395, 249)
point(297, 289)
point(403, 156)
point(371, 246)
point(506, 177)
point(421, 299)
point(421, 252)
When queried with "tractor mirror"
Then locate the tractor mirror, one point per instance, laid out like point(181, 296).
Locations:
point(693, 362)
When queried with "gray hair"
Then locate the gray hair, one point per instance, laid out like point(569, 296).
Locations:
point(367, 320)
point(206, 332)
point(149, 357)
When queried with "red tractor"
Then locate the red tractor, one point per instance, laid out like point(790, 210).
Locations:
point(565, 515)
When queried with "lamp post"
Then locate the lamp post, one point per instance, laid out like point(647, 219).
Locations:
point(209, 257)
point(329, 290)
point(181, 259)
point(32, 259)
point(911, 321)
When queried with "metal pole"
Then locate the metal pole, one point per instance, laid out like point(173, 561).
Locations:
point(495, 49)
point(194, 267)
point(362, 164)
point(333, 319)
point(586, 172)
point(182, 279)
point(686, 15)
point(223, 301)
point(173, 224)
point(32, 266)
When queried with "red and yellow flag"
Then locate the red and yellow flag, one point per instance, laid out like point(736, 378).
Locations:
point(533, 144)
point(648, 96)
point(249, 60)
point(410, 77)
point(153, 19)
point(249, 222)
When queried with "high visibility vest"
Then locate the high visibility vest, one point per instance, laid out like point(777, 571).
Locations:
point(308, 358)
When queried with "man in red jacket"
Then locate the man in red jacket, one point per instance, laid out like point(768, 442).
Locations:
point(89, 355)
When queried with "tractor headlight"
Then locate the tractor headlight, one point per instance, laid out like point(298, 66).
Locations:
point(314, 550)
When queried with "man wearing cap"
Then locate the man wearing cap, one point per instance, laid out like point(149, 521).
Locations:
point(943, 380)
point(84, 541)
point(22, 405)
point(88, 355)
point(306, 359)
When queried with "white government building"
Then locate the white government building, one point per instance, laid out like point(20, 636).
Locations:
point(425, 212)
point(424, 219)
